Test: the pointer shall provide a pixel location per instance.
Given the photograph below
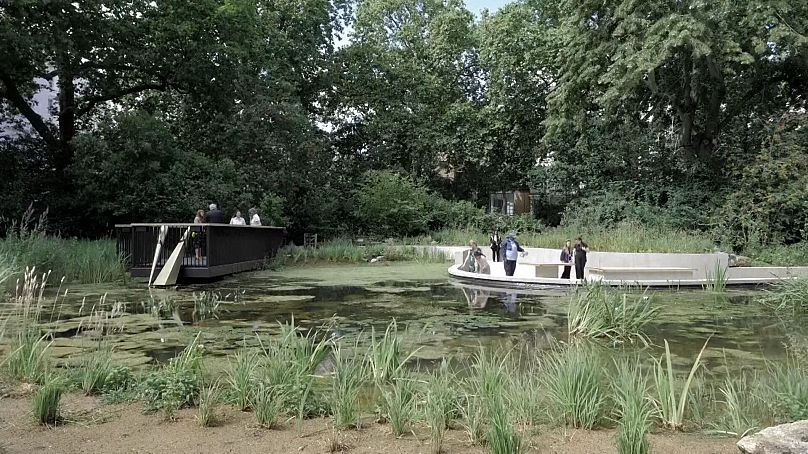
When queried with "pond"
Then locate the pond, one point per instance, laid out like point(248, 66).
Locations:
point(442, 318)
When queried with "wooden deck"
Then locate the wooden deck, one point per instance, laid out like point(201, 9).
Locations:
point(212, 250)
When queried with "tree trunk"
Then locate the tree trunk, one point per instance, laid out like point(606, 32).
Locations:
point(67, 113)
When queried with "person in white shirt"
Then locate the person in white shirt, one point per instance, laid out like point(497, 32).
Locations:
point(254, 218)
point(237, 219)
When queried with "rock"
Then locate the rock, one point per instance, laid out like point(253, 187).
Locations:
point(739, 261)
point(377, 259)
point(783, 439)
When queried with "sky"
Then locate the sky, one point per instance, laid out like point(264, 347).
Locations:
point(475, 6)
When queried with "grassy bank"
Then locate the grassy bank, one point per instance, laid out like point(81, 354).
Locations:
point(625, 238)
point(345, 251)
point(79, 261)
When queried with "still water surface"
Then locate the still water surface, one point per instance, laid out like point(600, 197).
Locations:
point(442, 318)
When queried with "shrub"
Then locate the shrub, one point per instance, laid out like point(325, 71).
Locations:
point(175, 385)
point(272, 209)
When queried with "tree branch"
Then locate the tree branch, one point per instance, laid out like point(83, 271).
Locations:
point(13, 95)
point(92, 102)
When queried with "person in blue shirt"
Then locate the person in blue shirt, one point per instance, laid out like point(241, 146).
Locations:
point(510, 253)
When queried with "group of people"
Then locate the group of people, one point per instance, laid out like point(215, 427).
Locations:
point(216, 216)
point(510, 250)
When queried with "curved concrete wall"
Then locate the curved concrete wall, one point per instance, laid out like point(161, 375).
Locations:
point(701, 263)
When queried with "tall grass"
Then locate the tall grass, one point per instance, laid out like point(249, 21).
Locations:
point(717, 279)
point(27, 358)
point(740, 407)
point(241, 376)
point(671, 410)
point(502, 435)
point(46, 401)
point(622, 238)
point(788, 296)
point(95, 370)
point(208, 400)
point(601, 312)
point(473, 413)
point(785, 386)
point(573, 378)
point(267, 402)
point(350, 373)
point(440, 404)
point(399, 402)
point(345, 251)
point(633, 408)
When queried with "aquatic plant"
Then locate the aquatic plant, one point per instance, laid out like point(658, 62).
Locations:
point(472, 417)
point(399, 404)
point(716, 280)
point(206, 305)
point(46, 401)
point(290, 361)
point(671, 410)
point(601, 312)
point(633, 409)
point(740, 407)
point(384, 354)
point(440, 404)
point(176, 384)
point(785, 386)
point(208, 401)
point(573, 379)
point(788, 296)
point(348, 377)
point(267, 404)
point(242, 375)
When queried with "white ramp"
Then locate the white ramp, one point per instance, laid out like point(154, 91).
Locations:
point(171, 269)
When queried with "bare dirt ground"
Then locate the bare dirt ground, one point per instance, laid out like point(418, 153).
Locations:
point(93, 427)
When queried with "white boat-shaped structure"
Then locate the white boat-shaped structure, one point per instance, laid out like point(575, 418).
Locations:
point(541, 267)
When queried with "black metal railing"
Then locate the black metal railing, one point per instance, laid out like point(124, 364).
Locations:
point(207, 246)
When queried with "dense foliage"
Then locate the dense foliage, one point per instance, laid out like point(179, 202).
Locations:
point(686, 115)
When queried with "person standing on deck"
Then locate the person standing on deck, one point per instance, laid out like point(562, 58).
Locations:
point(566, 257)
point(496, 244)
point(237, 219)
point(198, 234)
point(510, 252)
point(581, 249)
point(215, 215)
point(254, 218)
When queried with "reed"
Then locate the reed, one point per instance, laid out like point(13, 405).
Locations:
point(241, 376)
point(341, 250)
point(473, 417)
point(399, 403)
point(209, 397)
point(267, 404)
point(46, 401)
point(350, 374)
point(740, 407)
point(384, 355)
point(785, 387)
point(95, 370)
point(788, 296)
point(440, 404)
point(502, 436)
point(633, 409)
point(573, 379)
point(716, 280)
point(671, 410)
point(600, 312)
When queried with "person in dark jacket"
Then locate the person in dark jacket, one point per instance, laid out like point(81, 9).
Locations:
point(215, 215)
point(496, 244)
point(566, 257)
point(581, 249)
point(510, 252)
